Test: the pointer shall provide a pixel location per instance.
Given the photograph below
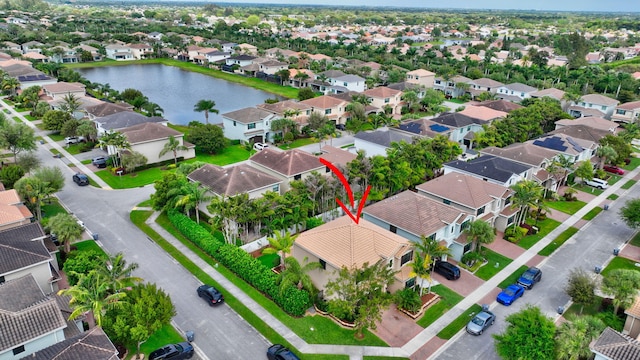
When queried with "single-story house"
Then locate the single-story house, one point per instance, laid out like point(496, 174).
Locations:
point(233, 180)
point(289, 165)
point(150, 138)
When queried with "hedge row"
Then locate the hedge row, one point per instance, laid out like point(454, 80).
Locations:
point(292, 300)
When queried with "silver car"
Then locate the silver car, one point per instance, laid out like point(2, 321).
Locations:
point(480, 322)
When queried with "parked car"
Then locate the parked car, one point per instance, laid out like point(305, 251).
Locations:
point(279, 352)
point(260, 146)
point(597, 183)
point(183, 350)
point(530, 278)
point(613, 169)
point(510, 294)
point(211, 295)
point(81, 179)
point(73, 140)
point(448, 270)
point(481, 321)
point(99, 162)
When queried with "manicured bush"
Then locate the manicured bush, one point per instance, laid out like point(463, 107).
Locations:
point(81, 262)
point(313, 222)
point(408, 299)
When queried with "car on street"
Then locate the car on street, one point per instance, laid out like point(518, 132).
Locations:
point(73, 140)
point(510, 294)
point(613, 169)
point(210, 294)
point(99, 162)
point(530, 278)
point(183, 350)
point(279, 352)
point(448, 270)
point(597, 183)
point(260, 146)
point(80, 179)
point(481, 321)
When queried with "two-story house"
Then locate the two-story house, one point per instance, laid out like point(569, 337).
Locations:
point(123, 119)
point(452, 88)
point(594, 122)
point(601, 103)
point(289, 165)
point(500, 105)
point(491, 168)
point(106, 108)
point(141, 51)
point(421, 77)
point(118, 52)
point(570, 147)
point(384, 98)
point(413, 216)
point(343, 243)
point(271, 66)
point(482, 85)
point(239, 60)
point(293, 110)
point(233, 180)
point(347, 83)
point(248, 125)
point(462, 127)
point(628, 112)
point(483, 113)
point(515, 92)
point(331, 107)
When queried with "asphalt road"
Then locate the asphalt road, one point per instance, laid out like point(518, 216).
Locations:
point(219, 332)
point(592, 245)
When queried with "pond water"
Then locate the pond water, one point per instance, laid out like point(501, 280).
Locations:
point(177, 91)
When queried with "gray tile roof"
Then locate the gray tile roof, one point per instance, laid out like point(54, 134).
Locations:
point(616, 346)
point(247, 115)
point(288, 163)
point(384, 138)
point(91, 345)
point(19, 249)
point(106, 108)
point(26, 313)
point(522, 152)
point(456, 120)
point(148, 132)
point(232, 180)
point(125, 119)
point(500, 105)
point(490, 167)
point(582, 132)
point(519, 87)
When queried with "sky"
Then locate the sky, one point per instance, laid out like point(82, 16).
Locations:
point(562, 5)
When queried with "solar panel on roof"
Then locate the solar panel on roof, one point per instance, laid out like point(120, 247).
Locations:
point(411, 127)
point(42, 77)
point(575, 145)
point(438, 128)
point(553, 143)
point(22, 78)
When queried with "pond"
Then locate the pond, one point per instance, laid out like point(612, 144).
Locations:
point(177, 91)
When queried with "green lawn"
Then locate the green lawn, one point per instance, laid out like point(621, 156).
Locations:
point(459, 323)
point(636, 240)
point(269, 260)
point(635, 162)
point(127, 181)
point(30, 118)
point(614, 179)
point(448, 299)
point(166, 335)
point(628, 184)
point(588, 189)
point(52, 207)
point(546, 226)
point(495, 263)
point(567, 207)
point(146, 203)
point(613, 197)
point(511, 279)
point(88, 245)
point(229, 155)
point(620, 263)
point(592, 213)
point(56, 137)
point(298, 142)
point(555, 244)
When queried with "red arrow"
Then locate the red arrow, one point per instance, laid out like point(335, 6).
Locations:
point(347, 187)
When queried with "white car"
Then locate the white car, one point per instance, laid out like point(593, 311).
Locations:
point(73, 140)
point(260, 146)
point(597, 183)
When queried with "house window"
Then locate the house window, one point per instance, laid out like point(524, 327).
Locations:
point(297, 177)
point(393, 229)
point(464, 225)
point(275, 188)
point(604, 108)
point(327, 111)
point(2, 279)
point(327, 169)
point(390, 266)
point(437, 82)
point(522, 94)
point(480, 211)
point(386, 101)
point(445, 201)
point(18, 350)
point(406, 258)
point(234, 123)
point(468, 128)
point(461, 130)
point(323, 264)
point(510, 220)
point(467, 248)
point(432, 236)
point(620, 112)
point(251, 126)
point(345, 84)
point(507, 201)
point(410, 283)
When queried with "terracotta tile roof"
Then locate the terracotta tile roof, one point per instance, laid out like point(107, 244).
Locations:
point(10, 197)
point(522, 152)
point(90, 345)
point(616, 346)
point(336, 155)
point(342, 242)
point(421, 72)
point(464, 189)
point(148, 132)
point(634, 105)
point(26, 313)
point(323, 102)
point(483, 113)
point(634, 309)
point(18, 250)
point(414, 213)
point(551, 92)
point(233, 180)
point(287, 163)
point(594, 122)
point(382, 92)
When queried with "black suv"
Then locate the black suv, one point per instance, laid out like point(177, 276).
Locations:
point(180, 351)
point(530, 278)
point(99, 162)
point(279, 352)
point(448, 270)
point(81, 179)
point(211, 295)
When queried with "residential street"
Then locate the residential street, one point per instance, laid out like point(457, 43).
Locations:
point(592, 245)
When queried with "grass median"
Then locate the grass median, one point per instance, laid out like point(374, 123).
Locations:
point(460, 322)
point(558, 241)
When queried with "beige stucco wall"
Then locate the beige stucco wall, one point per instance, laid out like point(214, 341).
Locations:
point(152, 151)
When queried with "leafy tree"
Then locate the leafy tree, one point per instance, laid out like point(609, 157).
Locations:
point(41, 108)
point(92, 294)
point(360, 294)
point(581, 287)
point(80, 263)
point(172, 145)
point(207, 106)
point(630, 213)
point(411, 100)
point(281, 243)
point(623, 284)
point(306, 93)
point(66, 228)
point(133, 160)
point(161, 199)
point(147, 309)
point(295, 274)
point(128, 95)
point(605, 152)
point(29, 161)
point(208, 138)
point(54, 119)
point(480, 232)
point(574, 337)
point(114, 142)
point(17, 137)
point(9, 174)
point(70, 127)
point(529, 336)
point(87, 129)
point(620, 146)
point(584, 170)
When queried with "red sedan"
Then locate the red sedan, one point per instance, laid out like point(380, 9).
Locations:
point(613, 169)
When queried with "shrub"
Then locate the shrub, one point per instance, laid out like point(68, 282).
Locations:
point(529, 228)
point(9, 174)
point(515, 233)
point(313, 222)
point(471, 257)
point(81, 262)
point(409, 300)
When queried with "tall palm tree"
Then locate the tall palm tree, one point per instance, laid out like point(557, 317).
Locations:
point(66, 229)
point(280, 243)
point(174, 146)
point(605, 152)
point(421, 269)
point(297, 275)
point(152, 109)
point(561, 167)
point(10, 83)
point(480, 232)
point(92, 294)
point(193, 196)
point(207, 106)
point(431, 250)
point(117, 273)
point(70, 103)
point(527, 194)
point(114, 142)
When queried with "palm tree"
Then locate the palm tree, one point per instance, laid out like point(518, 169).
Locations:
point(193, 196)
point(281, 243)
point(70, 103)
point(605, 152)
point(480, 232)
point(573, 337)
point(527, 193)
point(117, 273)
point(10, 83)
point(298, 275)
point(421, 269)
point(207, 106)
point(152, 109)
point(115, 142)
point(174, 146)
point(562, 166)
point(66, 228)
point(431, 250)
point(92, 294)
